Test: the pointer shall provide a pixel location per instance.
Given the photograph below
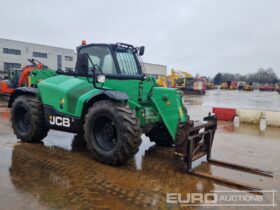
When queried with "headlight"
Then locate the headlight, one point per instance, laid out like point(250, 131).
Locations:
point(101, 78)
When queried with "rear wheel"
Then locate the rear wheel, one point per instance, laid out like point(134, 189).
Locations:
point(112, 132)
point(160, 135)
point(27, 117)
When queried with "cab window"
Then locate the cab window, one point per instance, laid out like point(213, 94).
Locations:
point(102, 57)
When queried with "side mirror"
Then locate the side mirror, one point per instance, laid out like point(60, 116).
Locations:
point(141, 50)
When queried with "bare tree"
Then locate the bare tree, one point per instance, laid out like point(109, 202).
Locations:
point(261, 76)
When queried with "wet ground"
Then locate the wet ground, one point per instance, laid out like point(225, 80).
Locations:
point(60, 174)
point(257, 100)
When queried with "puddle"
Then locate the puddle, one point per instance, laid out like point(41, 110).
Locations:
point(66, 179)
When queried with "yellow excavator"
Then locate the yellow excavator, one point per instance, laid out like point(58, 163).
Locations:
point(175, 80)
point(249, 87)
point(162, 81)
point(184, 81)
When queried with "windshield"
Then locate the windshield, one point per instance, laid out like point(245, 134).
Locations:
point(127, 61)
point(14, 75)
point(100, 56)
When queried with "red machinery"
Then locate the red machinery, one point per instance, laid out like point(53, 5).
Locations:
point(233, 85)
point(267, 87)
point(18, 78)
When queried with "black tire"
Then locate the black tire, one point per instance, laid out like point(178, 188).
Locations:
point(27, 118)
point(160, 135)
point(112, 132)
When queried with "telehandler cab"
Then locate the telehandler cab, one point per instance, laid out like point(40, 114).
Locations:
point(111, 103)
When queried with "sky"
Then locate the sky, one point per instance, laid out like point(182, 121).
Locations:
point(197, 36)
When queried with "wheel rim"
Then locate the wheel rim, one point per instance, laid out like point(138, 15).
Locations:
point(105, 133)
point(22, 119)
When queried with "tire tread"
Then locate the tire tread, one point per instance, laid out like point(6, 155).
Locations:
point(130, 135)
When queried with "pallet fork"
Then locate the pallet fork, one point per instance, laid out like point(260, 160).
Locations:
point(199, 136)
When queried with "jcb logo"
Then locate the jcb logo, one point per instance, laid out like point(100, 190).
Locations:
point(59, 121)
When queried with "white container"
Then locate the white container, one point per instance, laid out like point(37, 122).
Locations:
point(249, 116)
point(272, 118)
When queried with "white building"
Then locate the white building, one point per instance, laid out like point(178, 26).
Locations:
point(14, 55)
point(155, 69)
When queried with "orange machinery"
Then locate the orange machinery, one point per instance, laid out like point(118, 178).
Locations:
point(18, 78)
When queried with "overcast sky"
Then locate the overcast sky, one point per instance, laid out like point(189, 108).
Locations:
point(198, 36)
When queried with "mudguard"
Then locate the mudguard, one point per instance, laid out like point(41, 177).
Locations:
point(21, 91)
point(115, 95)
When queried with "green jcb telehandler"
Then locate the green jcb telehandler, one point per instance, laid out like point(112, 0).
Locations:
point(111, 103)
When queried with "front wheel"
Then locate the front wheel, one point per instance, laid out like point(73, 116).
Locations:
point(112, 132)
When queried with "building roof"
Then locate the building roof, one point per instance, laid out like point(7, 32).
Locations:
point(35, 44)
